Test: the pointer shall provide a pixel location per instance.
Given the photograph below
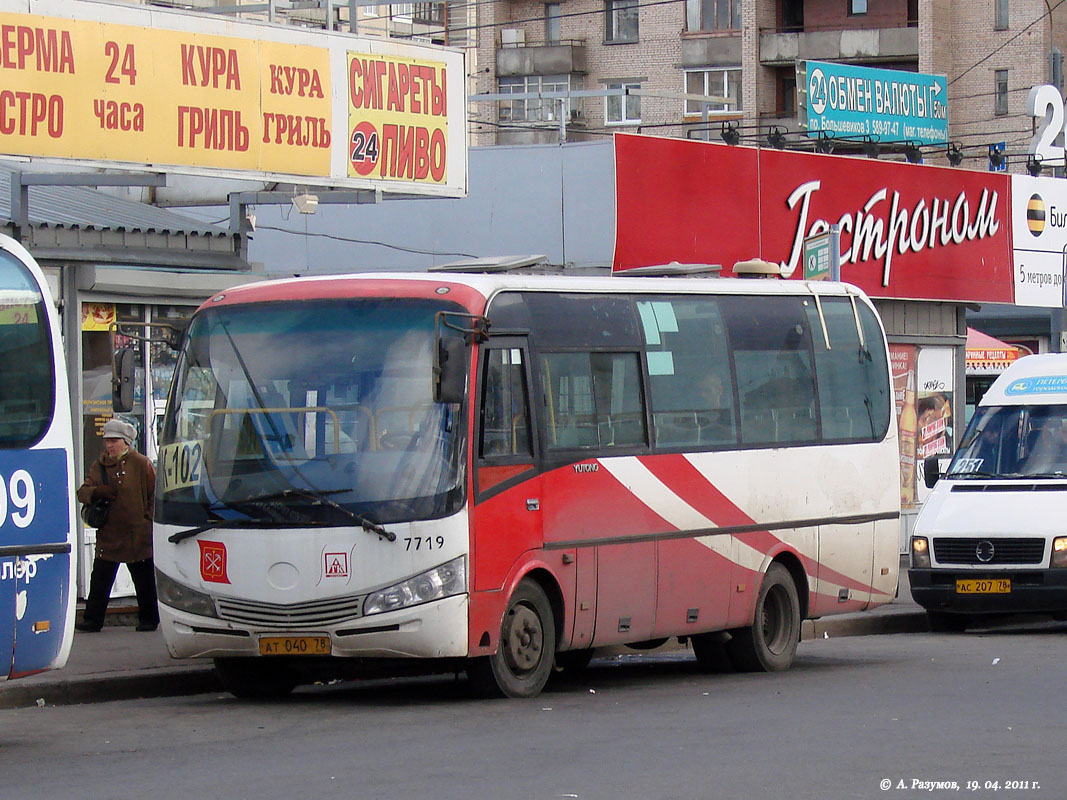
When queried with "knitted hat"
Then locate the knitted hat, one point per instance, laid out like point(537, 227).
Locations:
point(117, 429)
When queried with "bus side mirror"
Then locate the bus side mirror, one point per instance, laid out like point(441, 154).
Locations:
point(122, 381)
point(450, 371)
point(932, 470)
point(175, 335)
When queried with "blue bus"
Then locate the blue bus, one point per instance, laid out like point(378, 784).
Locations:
point(37, 523)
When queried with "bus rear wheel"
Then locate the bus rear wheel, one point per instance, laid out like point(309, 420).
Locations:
point(255, 678)
point(770, 643)
point(523, 661)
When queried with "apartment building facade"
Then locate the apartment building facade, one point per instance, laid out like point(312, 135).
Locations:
point(743, 54)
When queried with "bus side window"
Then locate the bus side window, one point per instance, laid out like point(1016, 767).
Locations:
point(692, 392)
point(505, 411)
point(593, 400)
point(772, 358)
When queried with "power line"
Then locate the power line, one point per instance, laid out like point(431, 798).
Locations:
point(995, 50)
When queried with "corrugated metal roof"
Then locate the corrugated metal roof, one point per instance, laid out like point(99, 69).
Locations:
point(78, 207)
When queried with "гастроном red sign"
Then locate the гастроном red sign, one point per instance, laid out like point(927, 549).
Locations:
point(907, 231)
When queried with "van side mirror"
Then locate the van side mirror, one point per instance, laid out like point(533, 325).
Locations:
point(450, 371)
point(122, 380)
point(932, 470)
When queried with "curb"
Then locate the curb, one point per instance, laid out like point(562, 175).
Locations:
point(114, 686)
point(832, 627)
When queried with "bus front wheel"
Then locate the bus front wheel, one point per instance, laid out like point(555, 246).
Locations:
point(523, 661)
point(770, 643)
point(255, 678)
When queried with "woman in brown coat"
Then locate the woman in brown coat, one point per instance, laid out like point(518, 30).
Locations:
point(126, 536)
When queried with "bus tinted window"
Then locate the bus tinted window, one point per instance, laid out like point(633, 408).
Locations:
point(771, 344)
point(505, 410)
point(581, 320)
point(690, 387)
point(853, 391)
point(27, 393)
point(593, 400)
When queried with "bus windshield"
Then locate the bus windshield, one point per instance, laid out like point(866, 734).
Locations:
point(1013, 442)
point(308, 413)
point(26, 358)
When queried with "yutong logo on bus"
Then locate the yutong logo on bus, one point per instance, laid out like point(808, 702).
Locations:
point(881, 228)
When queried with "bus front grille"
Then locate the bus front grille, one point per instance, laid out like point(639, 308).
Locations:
point(313, 613)
point(989, 550)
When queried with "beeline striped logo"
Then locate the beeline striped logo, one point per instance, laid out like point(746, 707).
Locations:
point(1035, 215)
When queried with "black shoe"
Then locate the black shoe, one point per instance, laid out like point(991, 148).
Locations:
point(147, 627)
point(87, 627)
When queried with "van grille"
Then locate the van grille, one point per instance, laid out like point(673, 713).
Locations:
point(1005, 550)
point(298, 615)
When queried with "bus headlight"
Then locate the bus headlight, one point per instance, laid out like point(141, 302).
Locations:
point(920, 552)
point(183, 598)
point(443, 581)
point(1059, 551)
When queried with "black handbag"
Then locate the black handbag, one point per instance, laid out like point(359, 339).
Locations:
point(95, 512)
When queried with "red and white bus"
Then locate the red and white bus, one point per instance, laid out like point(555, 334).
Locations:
point(500, 473)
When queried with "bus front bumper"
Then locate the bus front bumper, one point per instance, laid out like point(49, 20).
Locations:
point(1042, 590)
point(431, 630)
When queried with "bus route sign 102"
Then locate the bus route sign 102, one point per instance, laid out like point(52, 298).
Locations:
point(886, 105)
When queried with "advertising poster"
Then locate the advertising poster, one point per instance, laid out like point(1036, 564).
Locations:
point(902, 359)
point(934, 398)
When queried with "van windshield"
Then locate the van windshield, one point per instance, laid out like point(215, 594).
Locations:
point(1013, 442)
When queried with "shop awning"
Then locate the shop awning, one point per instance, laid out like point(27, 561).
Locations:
point(987, 355)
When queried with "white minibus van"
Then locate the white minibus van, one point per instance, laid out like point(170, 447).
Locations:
point(992, 538)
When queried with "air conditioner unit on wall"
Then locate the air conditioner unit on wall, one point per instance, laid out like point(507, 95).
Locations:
point(512, 37)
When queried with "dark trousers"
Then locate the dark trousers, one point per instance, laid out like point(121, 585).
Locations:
point(103, 578)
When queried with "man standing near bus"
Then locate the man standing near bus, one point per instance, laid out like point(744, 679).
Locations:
point(126, 536)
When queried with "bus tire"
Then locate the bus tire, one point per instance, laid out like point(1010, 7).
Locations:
point(255, 678)
point(523, 661)
point(770, 643)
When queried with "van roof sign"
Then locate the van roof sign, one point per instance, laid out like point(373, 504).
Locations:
point(1038, 380)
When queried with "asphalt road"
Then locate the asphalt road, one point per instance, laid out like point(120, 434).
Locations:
point(852, 713)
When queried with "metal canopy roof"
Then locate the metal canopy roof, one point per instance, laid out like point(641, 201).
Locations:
point(73, 223)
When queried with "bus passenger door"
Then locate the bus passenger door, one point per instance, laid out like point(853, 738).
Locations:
point(507, 509)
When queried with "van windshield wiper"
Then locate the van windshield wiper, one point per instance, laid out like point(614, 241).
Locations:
point(319, 497)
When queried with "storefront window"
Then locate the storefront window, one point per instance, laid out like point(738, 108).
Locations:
point(97, 355)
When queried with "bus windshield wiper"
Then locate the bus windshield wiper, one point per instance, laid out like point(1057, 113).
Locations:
point(207, 526)
point(369, 525)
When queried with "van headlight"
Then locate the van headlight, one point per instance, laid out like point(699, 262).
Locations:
point(920, 552)
point(443, 581)
point(184, 598)
point(1059, 551)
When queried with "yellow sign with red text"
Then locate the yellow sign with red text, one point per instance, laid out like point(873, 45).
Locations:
point(397, 118)
point(176, 90)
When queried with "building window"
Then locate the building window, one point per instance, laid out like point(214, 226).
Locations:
point(1000, 92)
point(545, 109)
point(552, 23)
point(722, 83)
point(401, 12)
point(857, 7)
point(1000, 15)
point(622, 109)
point(621, 21)
point(713, 15)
